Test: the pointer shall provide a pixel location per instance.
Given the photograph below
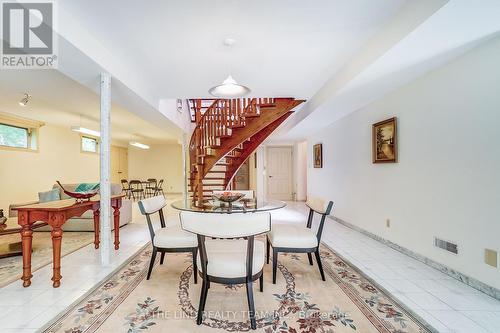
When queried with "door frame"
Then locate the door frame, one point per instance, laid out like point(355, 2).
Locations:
point(291, 168)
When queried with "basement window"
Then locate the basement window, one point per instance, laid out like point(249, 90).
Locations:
point(89, 145)
point(18, 133)
point(13, 136)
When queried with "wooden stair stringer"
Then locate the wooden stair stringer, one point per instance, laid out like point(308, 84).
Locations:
point(253, 144)
point(253, 126)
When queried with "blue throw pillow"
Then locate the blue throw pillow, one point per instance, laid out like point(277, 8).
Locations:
point(51, 195)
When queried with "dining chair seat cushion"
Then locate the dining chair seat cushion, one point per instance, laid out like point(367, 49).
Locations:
point(173, 237)
point(227, 257)
point(290, 236)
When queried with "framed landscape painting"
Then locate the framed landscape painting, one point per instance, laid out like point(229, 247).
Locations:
point(318, 155)
point(384, 141)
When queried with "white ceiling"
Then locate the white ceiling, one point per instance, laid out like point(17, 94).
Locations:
point(457, 27)
point(339, 55)
point(60, 101)
point(283, 48)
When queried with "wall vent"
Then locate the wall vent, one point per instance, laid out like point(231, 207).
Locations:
point(445, 245)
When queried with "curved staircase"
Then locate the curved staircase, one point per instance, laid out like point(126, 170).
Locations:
point(227, 132)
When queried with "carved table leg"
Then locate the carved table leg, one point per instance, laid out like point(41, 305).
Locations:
point(56, 251)
point(116, 220)
point(27, 237)
point(96, 228)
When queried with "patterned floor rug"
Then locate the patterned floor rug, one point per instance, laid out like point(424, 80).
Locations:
point(300, 302)
point(11, 269)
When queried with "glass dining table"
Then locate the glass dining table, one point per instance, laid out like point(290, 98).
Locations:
point(241, 206)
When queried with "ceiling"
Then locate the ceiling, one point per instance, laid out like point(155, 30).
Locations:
point(339, 55)
point(282, 48)
point(455, 28)
point(60, 101)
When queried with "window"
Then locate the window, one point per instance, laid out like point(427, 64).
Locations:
point(13, 136)
point(89, 145)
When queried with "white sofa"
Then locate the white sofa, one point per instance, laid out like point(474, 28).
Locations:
point(86, 221)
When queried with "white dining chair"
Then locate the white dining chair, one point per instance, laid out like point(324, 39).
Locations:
point(228, 259)
point(167, 238)
point(299, 239)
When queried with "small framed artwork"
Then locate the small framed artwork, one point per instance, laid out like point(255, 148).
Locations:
point(318, 155)
point(385, 141)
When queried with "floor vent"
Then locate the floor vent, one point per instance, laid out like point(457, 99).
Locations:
point(445, 245)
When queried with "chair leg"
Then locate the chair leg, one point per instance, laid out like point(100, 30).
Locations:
point(309, 255)
point(162, 258)
point(275, 265)
point(267, 250)
point(261, 282)
point(203, 300)
point(151, 264)
point(195, 266)
point(251, 305)
point(318, 259)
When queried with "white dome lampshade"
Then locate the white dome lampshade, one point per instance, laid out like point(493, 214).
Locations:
point(229, 88)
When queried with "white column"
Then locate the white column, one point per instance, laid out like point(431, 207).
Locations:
point(104, 158)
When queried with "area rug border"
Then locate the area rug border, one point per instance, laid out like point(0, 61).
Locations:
point(63, 314)
point(418, 319)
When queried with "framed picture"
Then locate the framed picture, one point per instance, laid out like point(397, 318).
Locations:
point(385, 141)
point(318, 155)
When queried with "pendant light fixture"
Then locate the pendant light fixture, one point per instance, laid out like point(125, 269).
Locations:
point(229, 87)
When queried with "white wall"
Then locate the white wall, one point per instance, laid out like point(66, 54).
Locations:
point(25, 173)
point(300, 167)
point(447, 180)
point(160, 162)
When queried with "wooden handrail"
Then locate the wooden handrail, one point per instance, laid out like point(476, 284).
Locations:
point(216, 123)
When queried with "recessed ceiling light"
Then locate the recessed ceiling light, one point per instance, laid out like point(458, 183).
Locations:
point(25, 99)
point(229, 41)
point(138, 145)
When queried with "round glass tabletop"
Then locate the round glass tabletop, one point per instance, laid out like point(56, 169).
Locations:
point(241, 206)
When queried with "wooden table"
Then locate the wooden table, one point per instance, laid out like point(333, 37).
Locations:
point(55, 214)
point(13, 249)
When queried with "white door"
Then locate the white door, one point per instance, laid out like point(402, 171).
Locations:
point(119, 164)
point(279, 173)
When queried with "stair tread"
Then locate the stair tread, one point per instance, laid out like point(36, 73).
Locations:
point(209, 178)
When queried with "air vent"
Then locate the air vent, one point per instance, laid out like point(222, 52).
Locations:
point(445, 245)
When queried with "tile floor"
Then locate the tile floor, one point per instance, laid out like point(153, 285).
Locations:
point(446, 304)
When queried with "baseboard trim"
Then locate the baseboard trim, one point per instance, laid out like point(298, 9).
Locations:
point(470, 281)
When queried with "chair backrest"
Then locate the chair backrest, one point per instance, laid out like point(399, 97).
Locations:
point(150, 206)
point(249, 194)
point(135, 184)
point(152, 181)
point(321, 207)
point(124, 183)
point(226, 225)
point(160, 184)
